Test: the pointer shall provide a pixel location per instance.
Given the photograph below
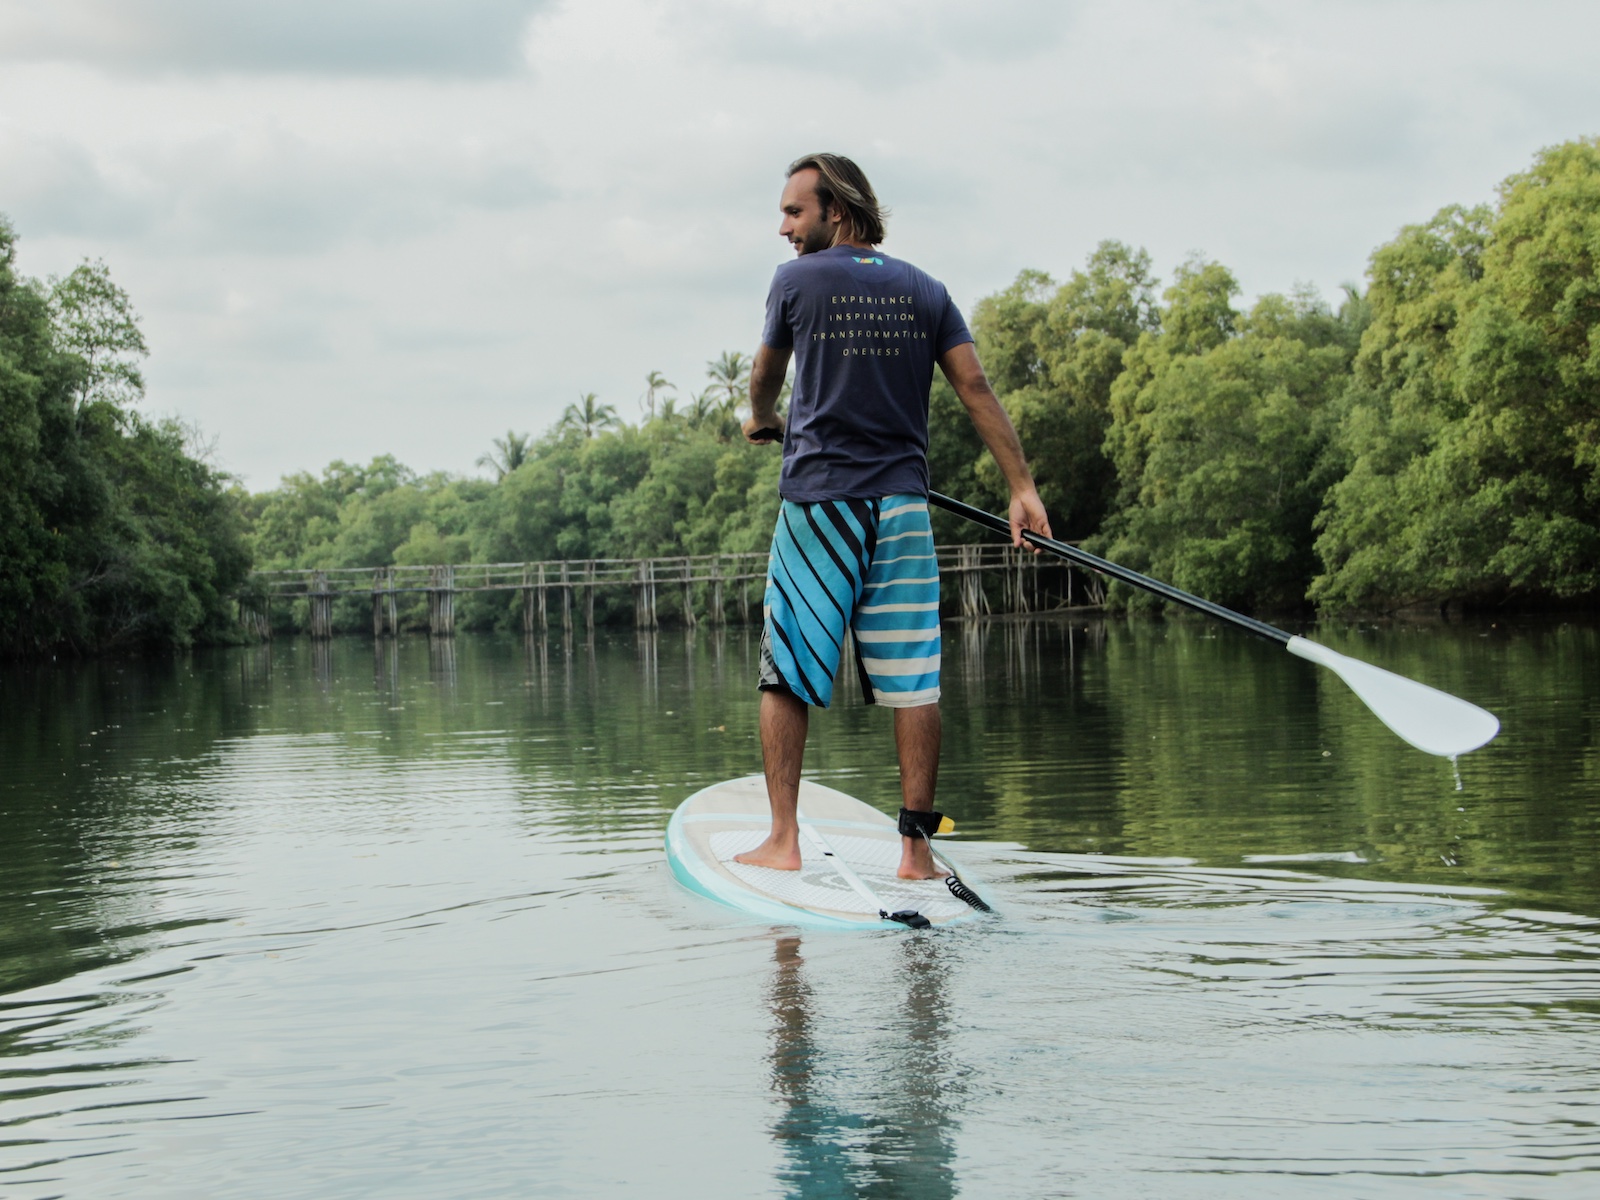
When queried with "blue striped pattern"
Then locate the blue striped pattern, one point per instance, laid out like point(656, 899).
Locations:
point(862, 564)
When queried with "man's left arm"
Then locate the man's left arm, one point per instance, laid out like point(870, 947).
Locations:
point(961, 367)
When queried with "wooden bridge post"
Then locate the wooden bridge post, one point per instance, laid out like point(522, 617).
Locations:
point(973, 601)
point(566, 600)
point(321, 606)
point(688, 595)
point(544, 614)
point(644, 604)
point(257, 622)
point(714, 611)
point(588, 600)
point(442, 601)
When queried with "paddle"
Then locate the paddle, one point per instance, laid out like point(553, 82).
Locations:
point(1431, 720)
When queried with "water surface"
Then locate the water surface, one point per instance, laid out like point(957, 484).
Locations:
point(337, 921)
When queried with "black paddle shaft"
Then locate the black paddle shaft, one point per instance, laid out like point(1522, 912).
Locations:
point(1083, 558)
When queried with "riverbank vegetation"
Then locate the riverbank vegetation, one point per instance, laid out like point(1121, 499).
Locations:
point(114, 530)
point(1432, 439)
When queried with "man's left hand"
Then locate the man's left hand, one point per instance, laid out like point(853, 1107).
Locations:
point(763, 433)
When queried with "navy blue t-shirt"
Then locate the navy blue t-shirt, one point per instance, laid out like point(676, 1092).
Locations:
point(866, 330)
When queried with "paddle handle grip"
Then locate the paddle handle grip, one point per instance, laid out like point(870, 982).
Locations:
point(1101, 566)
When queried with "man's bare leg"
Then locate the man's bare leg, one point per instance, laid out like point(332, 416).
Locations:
point(784, 719)
point(916, 736)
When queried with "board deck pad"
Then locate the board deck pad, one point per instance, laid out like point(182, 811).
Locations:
point(728, 818)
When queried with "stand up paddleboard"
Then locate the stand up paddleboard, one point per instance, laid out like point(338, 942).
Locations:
point(848, 854)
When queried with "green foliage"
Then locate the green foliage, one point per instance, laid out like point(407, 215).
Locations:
point(588, 416)
point(729, 374)
point(94, 321)
point(1053, 355)
point(112, 532)
point(1436, 438)
point(170, 550)
point(296, 525)
point(1471, 436)
point(656, 387)
point(38, 462)
point(509, 453)
point(1232, 465)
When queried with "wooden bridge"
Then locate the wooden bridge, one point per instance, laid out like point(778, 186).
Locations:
point(978, 580)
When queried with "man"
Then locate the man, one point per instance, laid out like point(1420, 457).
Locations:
point(853, 550)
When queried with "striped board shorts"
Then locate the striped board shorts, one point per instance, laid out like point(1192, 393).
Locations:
point(863, 566)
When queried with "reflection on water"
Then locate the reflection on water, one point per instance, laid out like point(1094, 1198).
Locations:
point(391, 919)
point(902, 1144)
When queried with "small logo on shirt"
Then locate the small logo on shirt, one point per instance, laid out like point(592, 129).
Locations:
point(878, 261)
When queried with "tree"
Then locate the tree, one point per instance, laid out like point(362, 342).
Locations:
point(704, 411)
point(296, 524)
point(588, 416)
point(655, 384)
point(40, 466)
point(509, 453)
point(1199, 316)
point(1053, 354)
point(111, 532)
point(1233, 468)
point(94, 319)
point(729, 373)
point(1472, 434)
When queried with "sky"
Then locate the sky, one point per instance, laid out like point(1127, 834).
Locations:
point(356, 227)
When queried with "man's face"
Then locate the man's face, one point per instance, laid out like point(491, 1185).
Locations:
point(806, 226)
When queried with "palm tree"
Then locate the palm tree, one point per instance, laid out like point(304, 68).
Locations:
point(653, 383)
point(705, 408)
point(730, 381)
point(509, 453)
point(588, 415)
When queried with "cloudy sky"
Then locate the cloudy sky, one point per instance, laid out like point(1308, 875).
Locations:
point(358, 226)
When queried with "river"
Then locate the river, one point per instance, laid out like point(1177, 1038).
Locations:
point(336, 920)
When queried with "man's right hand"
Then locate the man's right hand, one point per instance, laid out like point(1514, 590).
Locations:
point(1027, 512)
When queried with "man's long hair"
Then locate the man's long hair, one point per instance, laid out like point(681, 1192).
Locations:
point(841, 182)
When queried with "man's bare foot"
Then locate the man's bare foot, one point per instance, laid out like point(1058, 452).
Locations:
point(916, 859)
point(779, 854)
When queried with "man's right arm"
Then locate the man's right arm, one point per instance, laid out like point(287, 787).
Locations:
point(766, 385)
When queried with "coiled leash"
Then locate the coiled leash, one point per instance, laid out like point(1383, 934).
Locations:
point(925, 825)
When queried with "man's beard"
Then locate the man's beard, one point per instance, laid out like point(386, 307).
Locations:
point(820, 238)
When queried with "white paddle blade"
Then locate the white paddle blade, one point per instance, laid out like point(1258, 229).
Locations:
point(1433, 721)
